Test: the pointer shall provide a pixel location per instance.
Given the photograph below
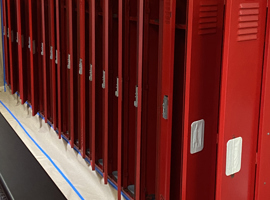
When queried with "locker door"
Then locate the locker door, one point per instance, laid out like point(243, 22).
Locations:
point(6, 42)
point(165, 97)
point(64, 69)
point(262, 171)
point(44, 59)
point(82, 76)
point(92, 82)
point(120, 97)
point(99, 112)
point(201, 98)
point(22, 90)
point(240, 98)
point(113, 90)
point(59, 66)
point(13, 51)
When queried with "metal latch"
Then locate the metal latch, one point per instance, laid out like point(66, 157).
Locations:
point(103, 80)
point(51, 52)
point(117, 87)
point(90, 73)
point(68, 65)
point(22, 41)
point(34, 47)
point(42, 49)
point(165, 107)
point(55, 56)
point(17, 38)
point(80, 67)
point(29, 43)
point(136, 97)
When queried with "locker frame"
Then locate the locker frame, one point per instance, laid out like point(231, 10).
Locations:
point(262, 173)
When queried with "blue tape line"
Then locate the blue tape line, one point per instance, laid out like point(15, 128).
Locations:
point(66, 140)
point(3, 47)
point(125, 196)
point(49, 158)
point(98, 171)
point(112, 184)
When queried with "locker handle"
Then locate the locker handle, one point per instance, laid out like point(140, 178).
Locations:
point(165, 106)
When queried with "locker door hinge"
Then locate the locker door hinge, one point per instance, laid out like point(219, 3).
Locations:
point(136, 97)
point(51, 52)
point(56, 56)
point(90, 73)
point(17, 37)
point(80, 67)
point(8, 32)
point(117, 87)
point(22, 41)
point(165, 106)
point(68, 65)
point(42, 49)
point(103, 79)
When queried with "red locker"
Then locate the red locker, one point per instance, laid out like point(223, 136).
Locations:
point(6, 42)
point(13, 48)
point(262, 170)
point(240, 98)
point(23, 53)
point(63, 67)
point(92, 83)
point(129, 92)
point(113, 91)
point(99, 112)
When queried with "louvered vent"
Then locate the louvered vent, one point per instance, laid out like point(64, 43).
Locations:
point(248, 22)
point(208, 17)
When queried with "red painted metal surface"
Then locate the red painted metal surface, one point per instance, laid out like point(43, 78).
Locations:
point(44, 59)
point(13, 51)
point(240, 94)
point(201, 97)
point(22, 90)
point(113, 91)
point(139, 108)
point(262, 170)
point(120, 96)
point(106, 86)
point(72, 71)
point(92, 84)
point(99, 114)
point(130, 47)
point(59, 71)
point(165, 85)
point(6, 42)
point(64, 75)
point(53, 71)
point(82, 78)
